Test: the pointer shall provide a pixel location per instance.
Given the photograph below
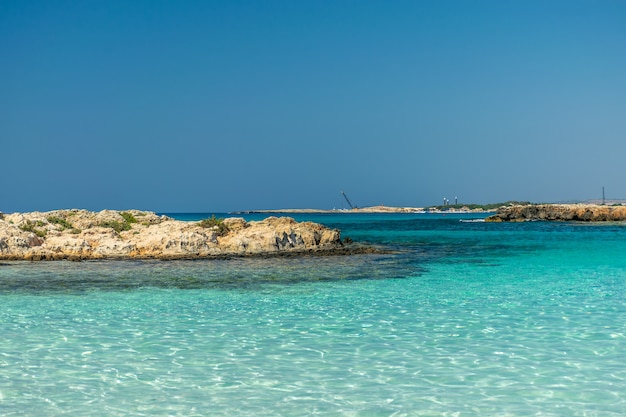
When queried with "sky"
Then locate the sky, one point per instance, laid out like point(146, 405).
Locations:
point(216, 106)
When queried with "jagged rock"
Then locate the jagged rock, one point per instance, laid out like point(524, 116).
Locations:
point(80, 234)
point(559, 212)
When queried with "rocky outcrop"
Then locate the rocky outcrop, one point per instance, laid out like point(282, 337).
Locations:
point(559, 212)
point(80, 234)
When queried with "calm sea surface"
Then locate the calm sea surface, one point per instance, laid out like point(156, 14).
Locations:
point(462, 319)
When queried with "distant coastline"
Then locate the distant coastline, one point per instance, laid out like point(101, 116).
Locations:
point(593, 210)
point(374, 209)
point(500, 212)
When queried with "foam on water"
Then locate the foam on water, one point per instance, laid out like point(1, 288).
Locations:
point(465, 319)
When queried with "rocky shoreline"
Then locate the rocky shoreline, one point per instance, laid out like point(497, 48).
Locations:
point(559, 212)
point(133, 234)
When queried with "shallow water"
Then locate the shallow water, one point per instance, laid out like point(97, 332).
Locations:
point(462, 319)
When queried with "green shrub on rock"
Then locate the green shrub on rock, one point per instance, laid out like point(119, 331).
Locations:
point(120, 226)
point(64, 224)
point(128, 217)
point(213, 222)
point(31, 226)
point(117, 226)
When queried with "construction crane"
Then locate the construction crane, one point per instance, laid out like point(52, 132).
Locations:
point(348, 200)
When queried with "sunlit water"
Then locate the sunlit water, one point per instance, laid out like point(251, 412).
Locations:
point(460, 319)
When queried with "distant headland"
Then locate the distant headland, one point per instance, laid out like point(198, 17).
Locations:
point(108, 234)
point(458, 208)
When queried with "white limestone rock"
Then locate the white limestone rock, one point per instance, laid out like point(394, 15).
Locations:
point(80, 234)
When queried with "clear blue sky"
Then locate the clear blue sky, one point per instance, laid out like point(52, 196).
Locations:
point(236, 105)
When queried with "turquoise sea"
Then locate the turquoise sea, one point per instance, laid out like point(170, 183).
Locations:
point(460, 318)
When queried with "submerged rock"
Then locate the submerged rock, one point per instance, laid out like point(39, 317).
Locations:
point(559, 212)
point(81, 234)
